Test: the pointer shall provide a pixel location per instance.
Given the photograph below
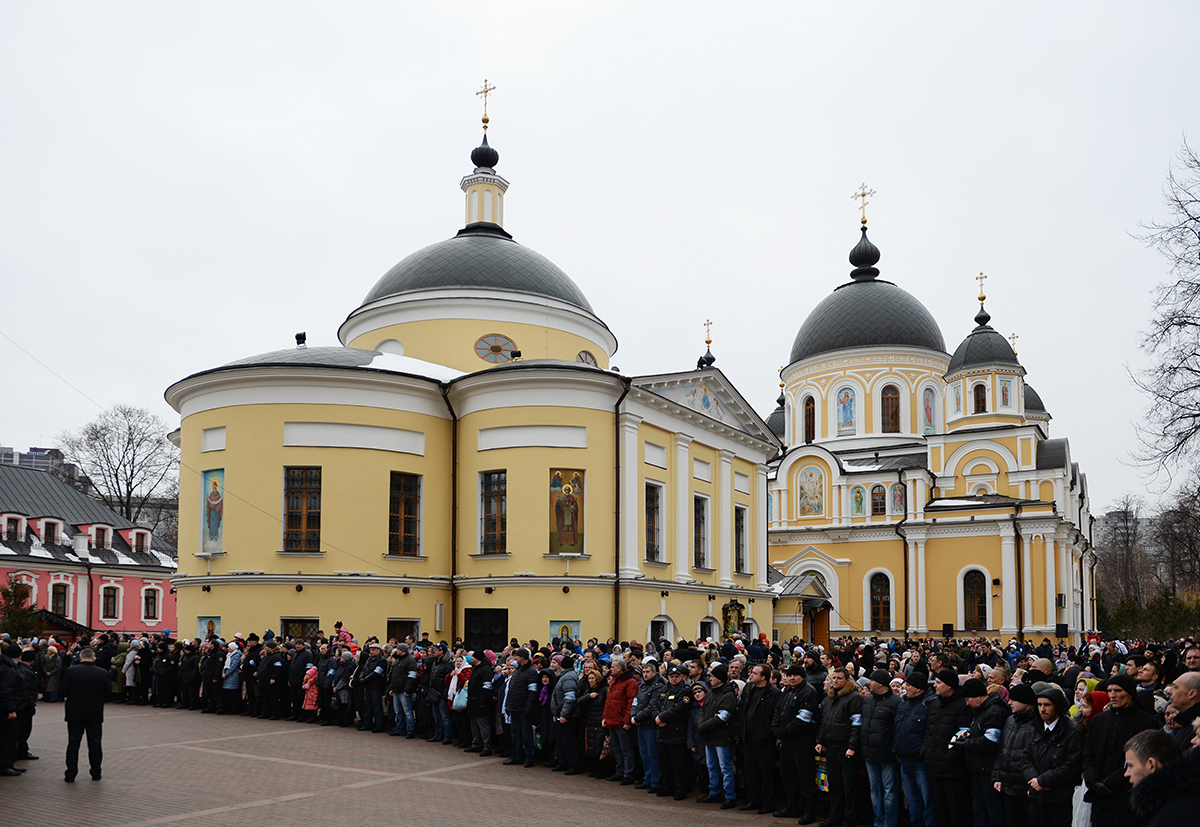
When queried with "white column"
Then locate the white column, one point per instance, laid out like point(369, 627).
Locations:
point(1088, 621)
point(683, 507)
point(1048, 544)
point(1008, 578)
point(724, 507)
point(632, 540)
point(922, 623)
point(1062, 559)
point(760, 534)
point(1027, 581)
point(912, 585)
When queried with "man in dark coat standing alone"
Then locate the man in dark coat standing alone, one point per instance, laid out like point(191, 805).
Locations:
point(84, 688)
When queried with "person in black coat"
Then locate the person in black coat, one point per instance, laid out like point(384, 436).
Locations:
point(674, 710)
point(297, 666)
point(980, 746)
point(949, 779)
point(592, 694)
point(797, 715)
point(481, 702)
point(1008, 778)
point(189, 678)
point(756, 711)
point(1053, 762)
point(1166, 791)
point(84, 689)
point(29, 709)
point(1104, 753)
point(912, 720)
point(520, 705)
point(878, 747)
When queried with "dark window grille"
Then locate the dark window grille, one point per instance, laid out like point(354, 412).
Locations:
point(404, 514)
point(739, 540)
point(653, 523)
point(699, 532)
point(305, 628)
point(495, 508)
point(302, 495)
point(891, 410)
point(975, 600)
point(881, 603)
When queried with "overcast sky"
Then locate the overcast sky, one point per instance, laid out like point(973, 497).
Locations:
point(185, 184)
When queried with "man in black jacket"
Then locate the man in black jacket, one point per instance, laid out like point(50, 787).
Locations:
point(1104, 753)
point(523, 688)
point(645, 708)
point(674, 710)
point(949, 779)
point(1053, 762)
point(797, 715)
point(25, 716)
point(12, 699)
point(912, 720)
point(84, 689)
point(981, 746)
point(718, 726)
point(189, 677)
point(372, 676)
point(1166, 780)
point(402, 683)
point(878, 748)
point(481, 701)
point(756, 712)
point(249, 668)
point(439, 670)
point(297, 666)
point(838, 740)
point(1007, 773)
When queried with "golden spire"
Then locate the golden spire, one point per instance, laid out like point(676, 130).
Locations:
point(863, 194)
point(484, 91)
point(708, 331)
point(980, 278)
point(1012, 340)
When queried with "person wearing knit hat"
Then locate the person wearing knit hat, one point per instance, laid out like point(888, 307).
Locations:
point(881, 676)
point(1053, 761)
point(949, 778)
point(979, 748)
point(918, 679)
point(1022, 693)
point(1104, 759)
point(1019, 730)
point(974, 688)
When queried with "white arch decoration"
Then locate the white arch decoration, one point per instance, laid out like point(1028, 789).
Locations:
point(962, 603)
point(866, 586)
point(669, 634)
point(952, 462)
point(901, 385)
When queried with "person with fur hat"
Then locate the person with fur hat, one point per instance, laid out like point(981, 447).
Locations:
point(912, 718)
point(797, 715)
point(1104, 752)
point(838, 739)
point(1053, 761)
point(1008, 777)
point(949, 778)
point(981, 746)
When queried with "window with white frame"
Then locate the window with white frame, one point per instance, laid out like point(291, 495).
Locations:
point(700, 532)
point(151, 602)
point(59, 598)
point(654, 503)
point(12, 530)
point(51, 531)
point(102, 537)
point(740, 560)
point(110, 603)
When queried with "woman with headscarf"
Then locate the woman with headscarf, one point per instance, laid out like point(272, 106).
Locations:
point(231, 680)
point(1082, 687)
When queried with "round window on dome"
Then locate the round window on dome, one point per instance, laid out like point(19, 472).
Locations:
point(586, 358)
point(495, 348)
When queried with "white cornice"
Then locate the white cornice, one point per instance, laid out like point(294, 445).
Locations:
point(891, 356)
point(670, 416)
point(192, 581)
point(536, 386)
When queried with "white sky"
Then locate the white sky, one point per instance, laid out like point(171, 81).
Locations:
point(186, 184)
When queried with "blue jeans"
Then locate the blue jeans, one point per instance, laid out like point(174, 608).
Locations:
point(406, 719)
point(884, 801)
point(720, 771)
point(648, 747)
point(915, 780)
point(443, 729)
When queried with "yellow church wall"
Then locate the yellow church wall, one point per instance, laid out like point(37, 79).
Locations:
point(528, 498)
point(664, 477)
point(945, 557)
point(254, 607)
point(533, 608)
point(1046, 492)
point(451, 342)
point(355, 490)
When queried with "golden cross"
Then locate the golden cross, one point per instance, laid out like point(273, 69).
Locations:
point(980, 278)
point(708, 331)
point(484, 91)
point(1013, 341)
point(863, 194)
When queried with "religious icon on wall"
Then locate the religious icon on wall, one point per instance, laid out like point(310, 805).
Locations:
point(213, 511)
point(845, 411)
point(898, 499)
point(812, 491)
point(858, 501)
point(957, 399)
point(1005, 393)
point(927, 400)
point(566, 511)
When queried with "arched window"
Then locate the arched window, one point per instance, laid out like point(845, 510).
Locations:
point(881, 603)
point(878, 500)
point(810, 419)
point(891, 410)
point(975, 600)
point(980, 399)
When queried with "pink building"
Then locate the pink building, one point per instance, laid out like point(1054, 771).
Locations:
point(82, 561)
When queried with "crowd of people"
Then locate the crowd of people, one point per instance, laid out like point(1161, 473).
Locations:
point(929, 733)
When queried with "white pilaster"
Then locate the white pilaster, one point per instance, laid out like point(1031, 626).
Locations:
point(1088, 620)
point(724, 507)
point(1049, 545)
point(912, 585)
point(1027, 580)
point(632, 539)
point(922, 622)
point(1008, 578)
point(683, 508)
point(760, 535)
point(1065, 582)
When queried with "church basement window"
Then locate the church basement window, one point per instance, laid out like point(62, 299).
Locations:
point(404, 520)
point(302, 497)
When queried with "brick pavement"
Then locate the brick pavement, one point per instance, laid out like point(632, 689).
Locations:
point(169, 767)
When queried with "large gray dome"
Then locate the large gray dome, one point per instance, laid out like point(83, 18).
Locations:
point(867, 313)
point(481, 257)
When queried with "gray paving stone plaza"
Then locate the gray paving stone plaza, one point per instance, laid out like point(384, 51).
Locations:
point(165, 766)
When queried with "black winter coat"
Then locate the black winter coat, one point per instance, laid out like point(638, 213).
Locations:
point(481, 690)
point(372, 674)
point(326, 668)
point(674, 708)
point(947, 716)
point(1104, 755)
point(798, 714)
point(756, 712)
point(878, 738)
point(297, 666)
point(441, 669)
point(841, 718)
point(718, 716)
point(523, 689)
point(189, 666)
point(1055, 759)
point(645, 703)
point(1019, 730)
point(406, 674)
point(912, 718)
point(592, 711)
point(982, 744)
point(1171, 796)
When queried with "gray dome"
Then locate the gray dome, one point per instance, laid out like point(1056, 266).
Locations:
point(867, 313)
point(481, 257)
point(983, 347)
point(1033, 402)
point(776, 423)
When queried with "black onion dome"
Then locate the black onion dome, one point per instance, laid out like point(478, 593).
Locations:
point(481, 257)
point(776, 422)
point(867, 313)
point(1033, 401)
point(864, 257)
point(982, 347)
point(484, 156)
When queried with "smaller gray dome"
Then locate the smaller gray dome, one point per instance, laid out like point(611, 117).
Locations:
point(983, 347)
point(1033, 402)
point(776, 423)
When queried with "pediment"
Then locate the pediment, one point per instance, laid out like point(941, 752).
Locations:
point(711, 394)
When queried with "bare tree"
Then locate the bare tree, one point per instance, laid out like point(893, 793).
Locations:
point(1170, 434)
point(1177, 541)
point(126, 453)
point(1125, 567)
